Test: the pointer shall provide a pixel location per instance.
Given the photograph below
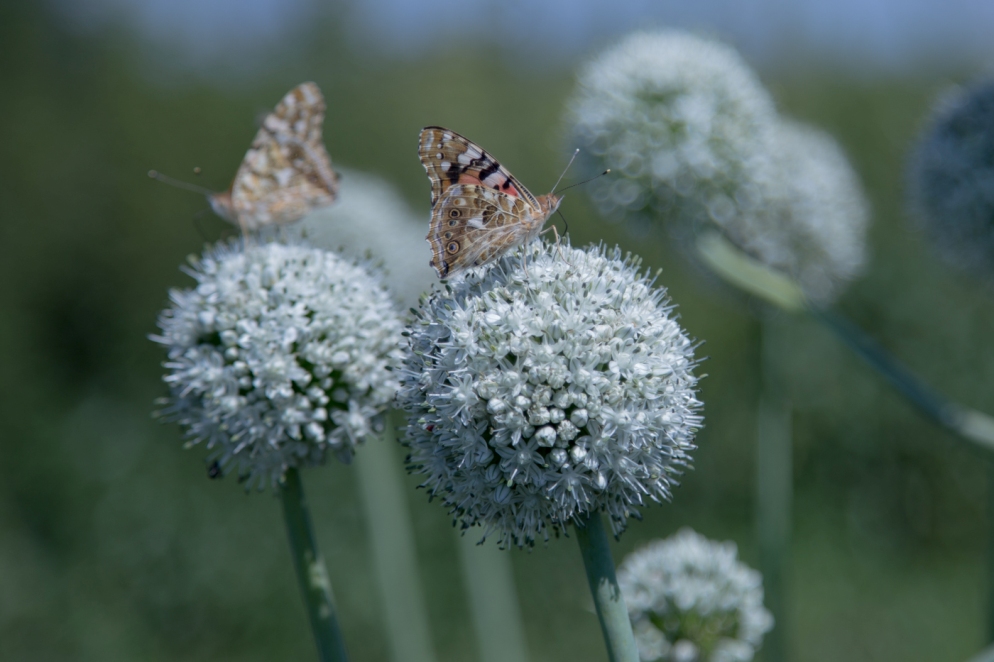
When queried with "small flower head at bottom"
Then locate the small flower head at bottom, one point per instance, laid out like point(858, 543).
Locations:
point(691, 600)
point(537, 394)
point(279, 354)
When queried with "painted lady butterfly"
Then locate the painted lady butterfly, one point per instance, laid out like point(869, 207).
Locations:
point(478, 209)
point(286, 173)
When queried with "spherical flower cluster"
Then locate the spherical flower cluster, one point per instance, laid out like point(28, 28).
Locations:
point(540, 392)
point(819, 237)
point(694, 140)
point(280, 353)
point(951, 179)
point(371, 218)
point(683, 124)
point(691, 600)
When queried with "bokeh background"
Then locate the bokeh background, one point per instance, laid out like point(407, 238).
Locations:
point(115, 546)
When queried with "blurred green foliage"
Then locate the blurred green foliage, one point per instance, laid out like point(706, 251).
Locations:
point(115, 546)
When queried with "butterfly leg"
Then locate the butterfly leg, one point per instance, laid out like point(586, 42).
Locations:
point(559, 246)
point(245, 233)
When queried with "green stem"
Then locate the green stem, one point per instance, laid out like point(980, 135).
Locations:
point(989, 633)
point(774, 485)
point(493, 601)
point(773, 287)
point(610, 604)
point(966, 423)
point(384, 499)
point(311, 572)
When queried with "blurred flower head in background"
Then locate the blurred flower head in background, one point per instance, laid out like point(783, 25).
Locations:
point(820, 240)
point(951, 179)
point(694, 141)
point(683, 124)
point(280, 353)
point(536, 399)
point(370, 218)
point(691, 600)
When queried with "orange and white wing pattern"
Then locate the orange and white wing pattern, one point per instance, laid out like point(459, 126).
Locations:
point(479, 210)
point(286, 173)
point(452, 159)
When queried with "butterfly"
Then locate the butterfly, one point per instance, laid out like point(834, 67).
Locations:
point(478, 209)
point(286, 173)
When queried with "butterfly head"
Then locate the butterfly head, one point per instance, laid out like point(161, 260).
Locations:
point(549, 203)
point(221, 204)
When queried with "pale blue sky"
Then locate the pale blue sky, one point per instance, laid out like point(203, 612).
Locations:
point(861, 34)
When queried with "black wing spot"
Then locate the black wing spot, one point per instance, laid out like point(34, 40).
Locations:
point(455, 213)
point(453, 247)
point(453, 224)
point(448, 235)
point(489, 170)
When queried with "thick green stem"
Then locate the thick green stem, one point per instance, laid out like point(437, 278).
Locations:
point(493, 600)
point(381, 480)
point(968, 424)
point(610, 604)
point(311, 572)
point(989, 633)
point(774, 485)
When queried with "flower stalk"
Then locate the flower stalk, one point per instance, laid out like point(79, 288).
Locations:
point(774, 485)
point(391, 533)
point(489, 577)
point(312, 575)
point(756, 279)
point(608, 600)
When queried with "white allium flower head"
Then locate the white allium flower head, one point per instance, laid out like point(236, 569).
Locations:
point(371, 218)
point(279, 354)
point(683, 124)
point(691, 600)
point(951, 179)
point(534, 399)
point(693, 140)
point(819, 236)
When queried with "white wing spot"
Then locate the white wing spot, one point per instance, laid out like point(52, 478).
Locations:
point(476, 222)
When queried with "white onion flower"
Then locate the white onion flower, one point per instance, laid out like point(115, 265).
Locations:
point(693, 140)
point(370, 217)
point(537, 399)
point(691, 600)
point(683, 124)
point(277, 355)
point(819, 237)
point(951, 179)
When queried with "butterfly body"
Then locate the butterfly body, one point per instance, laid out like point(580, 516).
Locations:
point(286, 173)
point(479, 210)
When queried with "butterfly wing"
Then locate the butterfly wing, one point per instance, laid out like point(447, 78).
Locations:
point(286, 173)
point(451, 159)
point(472, 224)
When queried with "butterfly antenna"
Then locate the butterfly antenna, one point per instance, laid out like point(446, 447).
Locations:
point(587, 180)
point(572, 158)
point(165, 179)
